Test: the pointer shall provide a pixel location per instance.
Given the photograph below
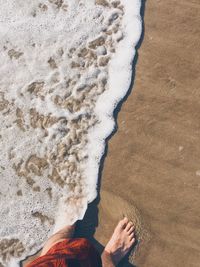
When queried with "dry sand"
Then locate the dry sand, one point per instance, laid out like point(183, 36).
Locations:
point(153, 161)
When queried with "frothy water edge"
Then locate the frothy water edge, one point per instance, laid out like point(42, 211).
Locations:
point(118, 83)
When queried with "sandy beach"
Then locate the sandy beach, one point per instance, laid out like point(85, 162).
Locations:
point(152, 161)
point(151, 171)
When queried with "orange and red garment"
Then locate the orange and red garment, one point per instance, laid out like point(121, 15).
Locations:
point(72, 252)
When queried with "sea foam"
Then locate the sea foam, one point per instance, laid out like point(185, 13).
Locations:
point(65, 65)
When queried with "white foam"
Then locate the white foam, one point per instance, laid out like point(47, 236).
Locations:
point(120, 75)
point(64, 69)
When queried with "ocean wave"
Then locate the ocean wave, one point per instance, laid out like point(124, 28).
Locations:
point(65, 67)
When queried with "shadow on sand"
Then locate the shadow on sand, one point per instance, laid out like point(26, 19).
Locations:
point(87, 227)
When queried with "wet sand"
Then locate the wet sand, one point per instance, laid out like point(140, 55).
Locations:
point(153, 160)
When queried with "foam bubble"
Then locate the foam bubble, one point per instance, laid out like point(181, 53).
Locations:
point(65, 66)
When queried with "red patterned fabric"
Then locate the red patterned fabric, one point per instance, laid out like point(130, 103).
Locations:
point(72, 252)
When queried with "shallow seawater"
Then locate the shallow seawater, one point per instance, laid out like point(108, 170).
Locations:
point(64, 67)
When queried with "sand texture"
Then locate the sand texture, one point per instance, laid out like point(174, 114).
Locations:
point(65, 64)
point(153, 161)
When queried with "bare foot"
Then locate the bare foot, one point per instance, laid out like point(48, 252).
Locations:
point(121, 241)
point(66, 232)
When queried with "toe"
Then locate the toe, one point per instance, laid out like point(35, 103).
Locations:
point(131, 236)
point(123, 222)
point(131, 230)
point(132, 241)
point(128, 226)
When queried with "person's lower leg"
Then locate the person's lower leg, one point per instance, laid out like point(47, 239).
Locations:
point(65, 232)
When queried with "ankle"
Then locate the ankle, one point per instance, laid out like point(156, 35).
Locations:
point(107, 257)
point(107, 252)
